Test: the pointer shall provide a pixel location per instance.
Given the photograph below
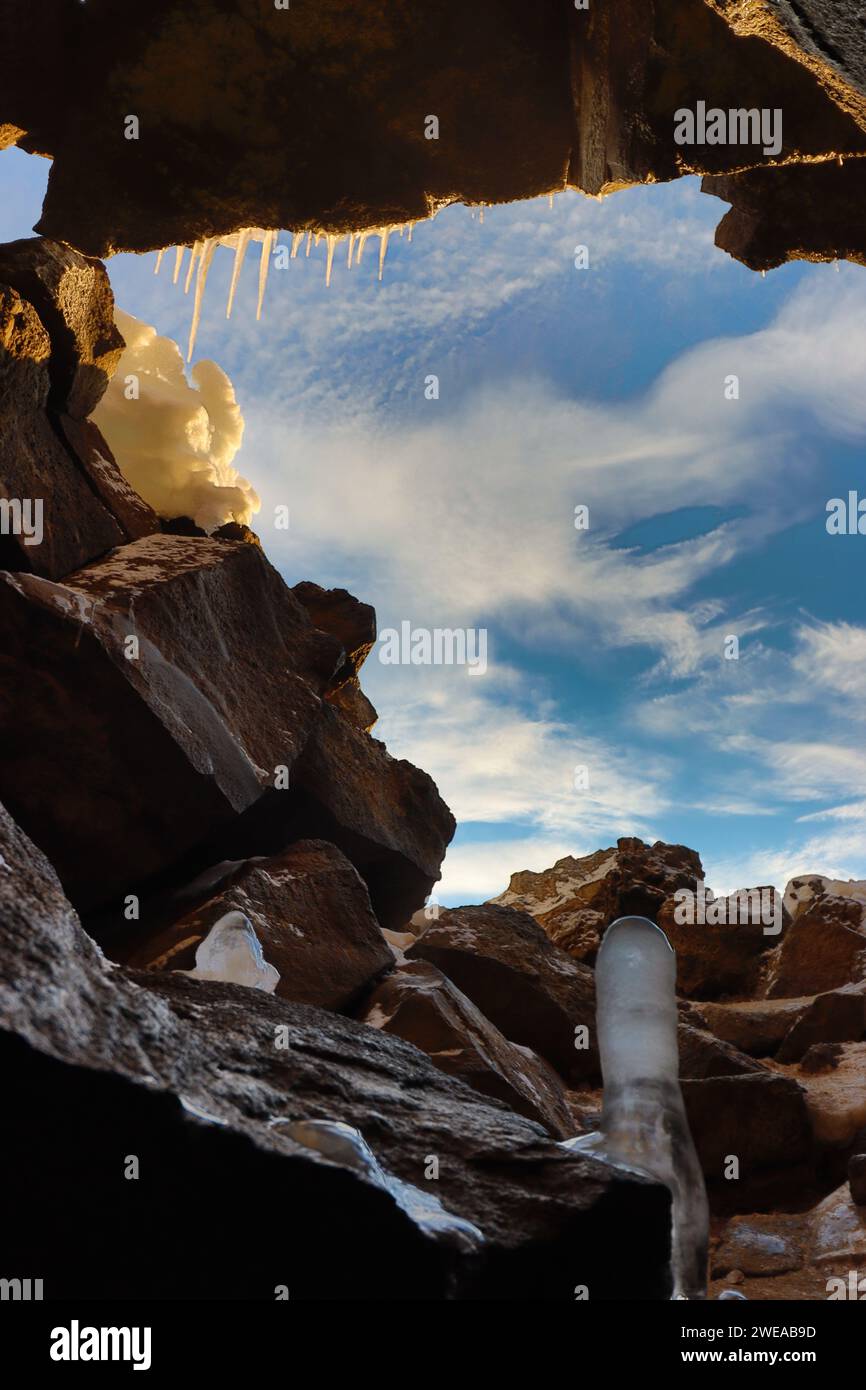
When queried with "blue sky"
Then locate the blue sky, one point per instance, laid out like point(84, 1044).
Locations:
point(562, 386)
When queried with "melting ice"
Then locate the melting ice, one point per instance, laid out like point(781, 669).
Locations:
point(643, 1122)
point(232, 952)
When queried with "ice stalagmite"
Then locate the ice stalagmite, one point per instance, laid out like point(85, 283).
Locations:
point(643, 1123)
point(232, 952)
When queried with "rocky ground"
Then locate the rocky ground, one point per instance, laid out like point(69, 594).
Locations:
point(183, 737)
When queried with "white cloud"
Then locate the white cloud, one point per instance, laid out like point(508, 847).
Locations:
point(173, 441)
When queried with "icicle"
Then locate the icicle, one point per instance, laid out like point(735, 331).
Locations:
point(196, 251)
point(841, 161)
point(643, 1119)
point(178, 262)
point(411, 229)
point(550, 200)
point(763, 274)
point(267, 242)
point(159, 256)
point(207, 249)
point(309, 242)
point(329, 264)
point(240, 252)
point(481, 214)
point(384, 233)
point(351, 249)
point(362, 242)
point(297, 238)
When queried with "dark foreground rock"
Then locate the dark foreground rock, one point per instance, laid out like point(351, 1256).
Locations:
point(533, 992)
point(220, 1094)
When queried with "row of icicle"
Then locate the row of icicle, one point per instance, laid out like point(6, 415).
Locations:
point(202, 255)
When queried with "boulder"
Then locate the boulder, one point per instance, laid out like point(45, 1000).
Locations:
point(73, 298)
point(135, 517)
point(417, 1002)
point(721, 958)
point(833, 1077)
point(353, 704)
point(822, 950)
point(234, 1103)
point(533, 992)
point(762, 1245)
point(857, 1178)
point(703, 1056)
point(385, 814)
point(755, 1026)
point(839, 1016)
point(342, 615)
point(160, 689)
point(39, 469)
point(311, 913)
point(576, 899)
point(760, 1118)
point(528, 98)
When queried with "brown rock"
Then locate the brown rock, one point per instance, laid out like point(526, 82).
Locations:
point(718, 960)
point(584, 98)
point(822, 950)
point(762, 1245)
point(135, 517)
point(417, 1002)
point(189, 1076)
point(385, 814)
point(237, 531)
point(703, 1056)
point(351, 701)
point(73, 299)
point(153, 752)
point(342, 615)
point(761, 1119)
point(836, 1017)
point(533, 992)
point(822, 1057)
point(577, 899)
point(756, 1026)
point(36, 466)
point(857, 1178)
point(311, 913)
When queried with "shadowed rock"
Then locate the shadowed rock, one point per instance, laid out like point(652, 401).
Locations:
point(107, 1054)
point(417, 1002)
point(187, 664)
point(312, 916)
point(533, 992)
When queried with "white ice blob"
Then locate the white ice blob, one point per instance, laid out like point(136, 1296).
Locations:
point(232, 952)
point(344, 1144)
point(643, 1123)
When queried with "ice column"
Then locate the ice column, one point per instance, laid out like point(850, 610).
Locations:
point(232, 952)
point(643, 1123)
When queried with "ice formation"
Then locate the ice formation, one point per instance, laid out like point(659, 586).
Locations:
point(643, 1122)
point(175, 442)
point(202, 253)
point(232, 952)
point(343, 1144)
